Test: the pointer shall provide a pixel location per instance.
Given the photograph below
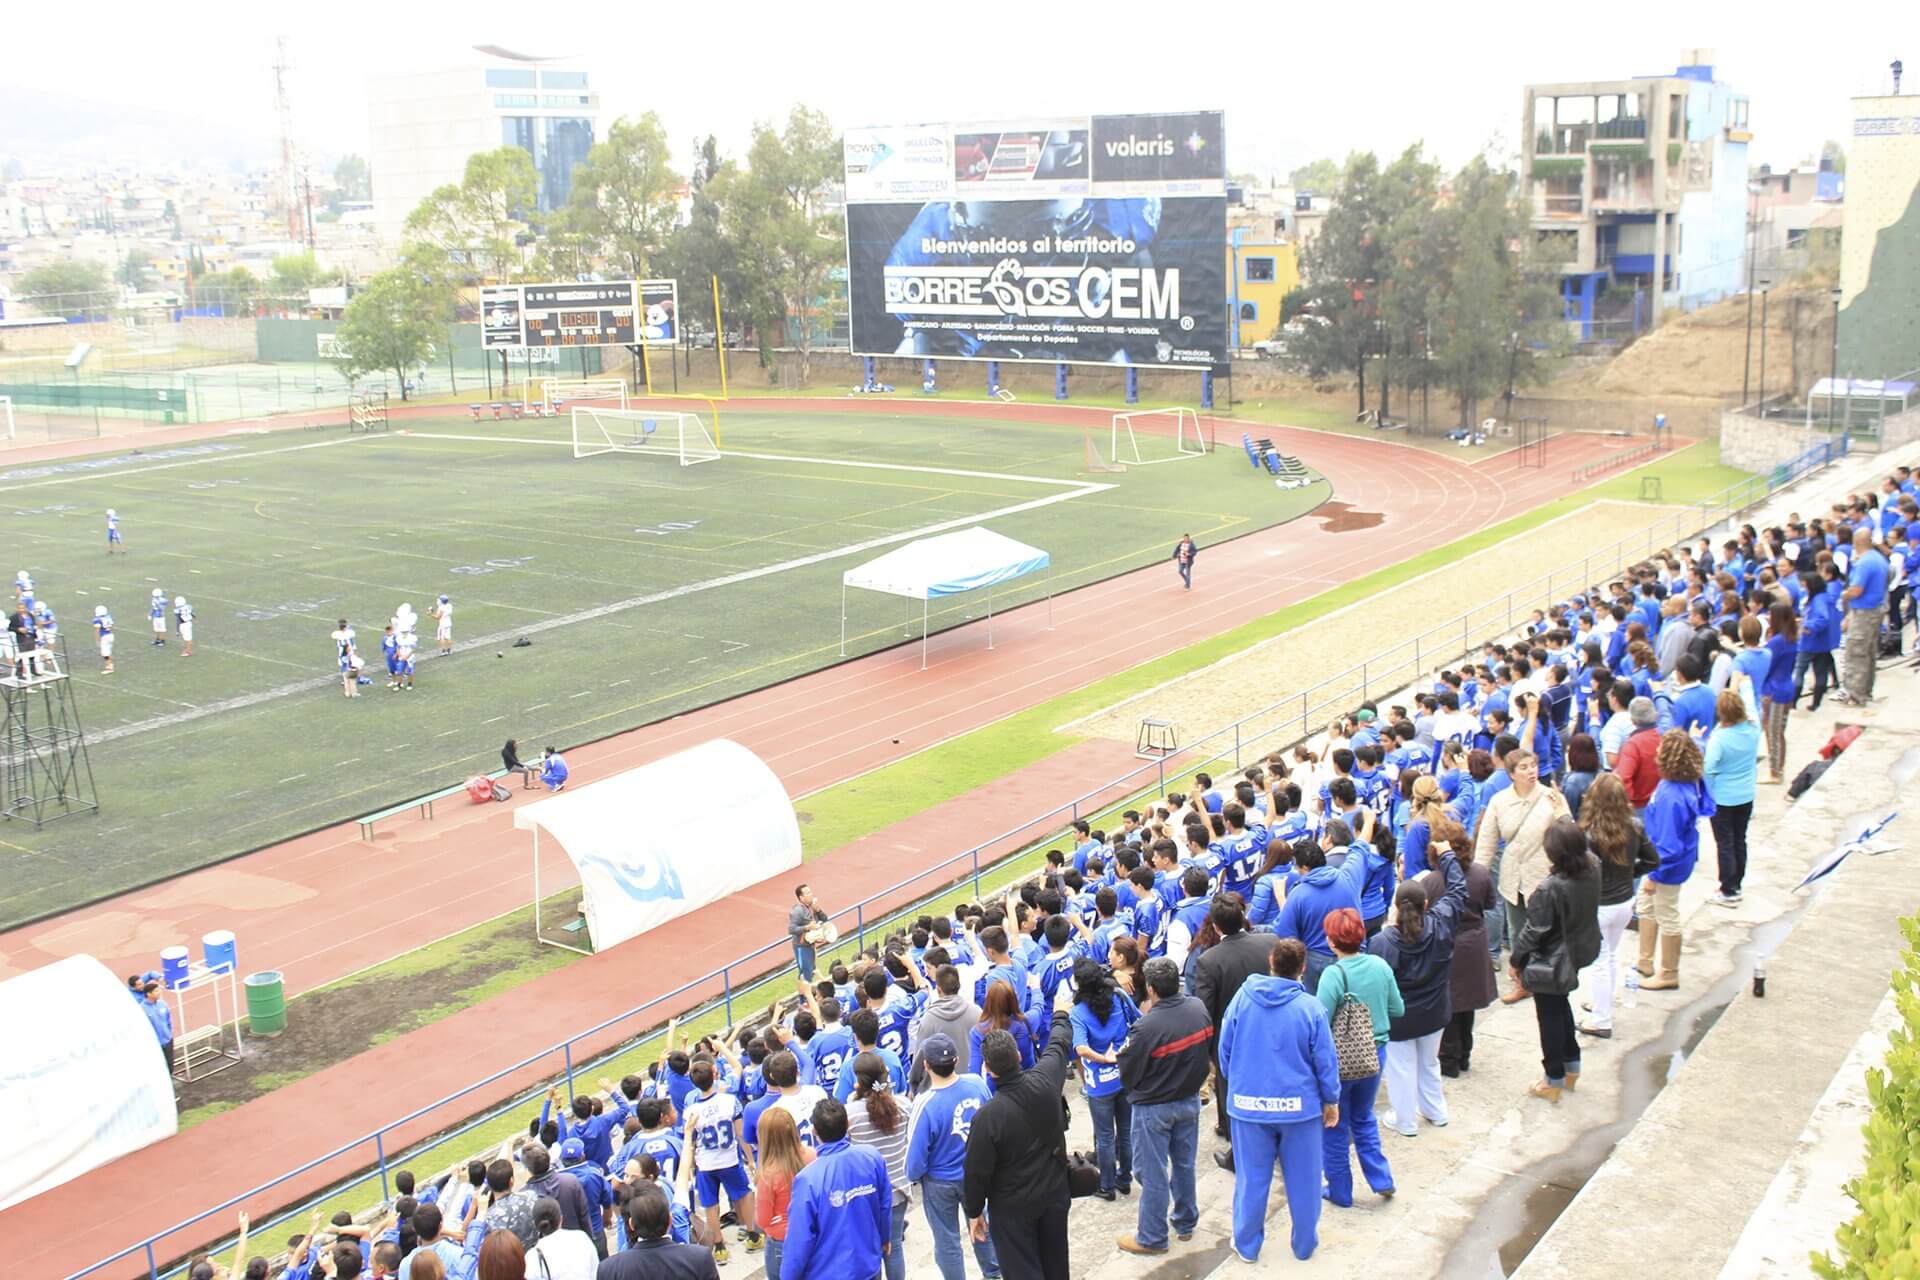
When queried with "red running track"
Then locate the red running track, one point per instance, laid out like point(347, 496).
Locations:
point(423, 880)
point(814, 730)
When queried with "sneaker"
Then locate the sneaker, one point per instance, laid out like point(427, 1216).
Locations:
point(1130, 1244)
point(719, 1255)
point(1728, 900)
point(756, 1242)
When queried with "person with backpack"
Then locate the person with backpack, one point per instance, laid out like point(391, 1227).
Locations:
point(1361, 997)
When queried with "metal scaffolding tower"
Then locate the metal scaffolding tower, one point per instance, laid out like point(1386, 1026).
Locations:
point(44, 770)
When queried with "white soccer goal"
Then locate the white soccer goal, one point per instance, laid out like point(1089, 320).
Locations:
point(683, 436)
point(547, 394)
point(1146, 436)
point(6, 416)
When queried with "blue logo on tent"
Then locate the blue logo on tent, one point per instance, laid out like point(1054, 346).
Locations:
point(644, 878)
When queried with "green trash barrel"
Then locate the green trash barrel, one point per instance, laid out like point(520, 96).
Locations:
point(266, 1003)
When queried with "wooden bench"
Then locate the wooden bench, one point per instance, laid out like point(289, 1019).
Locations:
point(423, 803)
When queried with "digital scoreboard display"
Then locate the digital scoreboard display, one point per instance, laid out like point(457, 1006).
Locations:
point(614, 313)
point(579, 315)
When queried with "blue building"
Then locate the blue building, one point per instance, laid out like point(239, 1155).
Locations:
point(1639, 189)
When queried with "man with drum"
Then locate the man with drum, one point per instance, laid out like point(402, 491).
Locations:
point(809, 927)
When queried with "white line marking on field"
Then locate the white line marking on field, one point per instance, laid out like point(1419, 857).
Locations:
point(117, 472)
point(617, 683)
point(494, 720)
point(447, 733)
point(583, 693)
point(401, 746)
point(341, 765)
point(1076, 489)
point(538, 705)
point(691, 661)
point(295, 778)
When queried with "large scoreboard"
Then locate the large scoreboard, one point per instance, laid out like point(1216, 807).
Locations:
point(615, 313)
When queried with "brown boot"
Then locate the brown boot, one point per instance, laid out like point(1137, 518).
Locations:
point(1649, 938)
point(1669, 976)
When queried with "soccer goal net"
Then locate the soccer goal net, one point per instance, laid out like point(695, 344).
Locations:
point(6, 417)
point(548, 394)
point(1145, 436)
point(657, 431)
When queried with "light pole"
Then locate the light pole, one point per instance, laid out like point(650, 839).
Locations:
point(1753, 236)
point(1833, 361)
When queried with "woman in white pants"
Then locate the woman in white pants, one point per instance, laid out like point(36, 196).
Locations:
point(1418, 947)
point(1625, 853)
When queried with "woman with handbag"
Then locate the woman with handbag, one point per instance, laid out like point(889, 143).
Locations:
point(1511, 842)
point(1561, 937)
point(1620, 842)
point(1418, 947)
point(1361, 999)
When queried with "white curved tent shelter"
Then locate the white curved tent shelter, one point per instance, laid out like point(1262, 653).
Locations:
point(647, 844)
point(82, 1081)
point(950, 564)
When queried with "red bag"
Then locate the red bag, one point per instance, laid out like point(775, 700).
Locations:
point(480, 787)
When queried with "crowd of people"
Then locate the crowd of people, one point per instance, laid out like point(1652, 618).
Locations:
point(30, 644)
point(1283, 944)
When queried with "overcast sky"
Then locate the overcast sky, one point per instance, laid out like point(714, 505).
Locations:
point(1297, 82)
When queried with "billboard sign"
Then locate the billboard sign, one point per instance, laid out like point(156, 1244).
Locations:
point(1100, 240)
point(598, 313)
point(909, 162)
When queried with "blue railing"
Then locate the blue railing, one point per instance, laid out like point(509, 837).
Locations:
point(748, 977)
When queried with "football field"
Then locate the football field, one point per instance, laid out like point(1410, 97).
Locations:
point(646, 588)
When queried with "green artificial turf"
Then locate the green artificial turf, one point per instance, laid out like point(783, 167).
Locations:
point(620, 568)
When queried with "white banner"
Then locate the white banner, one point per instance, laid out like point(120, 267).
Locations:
point(82, 1080)
point(656, 842)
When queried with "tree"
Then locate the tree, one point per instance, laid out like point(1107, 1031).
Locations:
point(66, 289)
point(1407, 269)
point(135, 270)
point(777, 218)
point(234, 291)
point(353, 178)
point(1320, 177)
point(478, 227)
point(700, 252)
point(624, 196)
point(391, 325)
point(1496, 311)
point(1834, 155)
point(1342, 265)
point(295, 273)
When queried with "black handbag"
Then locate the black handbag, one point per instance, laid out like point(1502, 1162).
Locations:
point(1083, 1175)
point(1553, 975)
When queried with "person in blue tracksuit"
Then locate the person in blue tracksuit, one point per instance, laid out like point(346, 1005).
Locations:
point(553, 770)
point(1277, 1050)
point(840, 1219)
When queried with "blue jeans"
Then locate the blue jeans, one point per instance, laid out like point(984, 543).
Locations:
point(895, 1266)
point(1186, 572)
point(803, 962)
point(774, 1248)
point(1296, 1148)
point(945, 1219)
point(1359, 1129)
point(1113, 1137)
point(1166, 1139)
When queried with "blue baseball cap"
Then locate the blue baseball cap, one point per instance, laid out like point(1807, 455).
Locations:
point(572, 1151)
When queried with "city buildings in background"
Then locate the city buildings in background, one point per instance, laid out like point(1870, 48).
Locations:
point(1879, 291)
point(423, 125)
point(1797, 217)
point(1639, 187)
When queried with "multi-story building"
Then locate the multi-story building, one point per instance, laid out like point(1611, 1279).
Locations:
point(1789, 211)
point(423, 125)
point(1639, 188)
point(1879, 285)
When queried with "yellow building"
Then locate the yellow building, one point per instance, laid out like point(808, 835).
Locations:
point(1260, 272)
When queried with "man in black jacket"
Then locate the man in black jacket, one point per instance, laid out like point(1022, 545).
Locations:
point(653, 1255)
point(544, 1180)
point(1017, 1154)
point(1163, 1064)
point(1217, 979)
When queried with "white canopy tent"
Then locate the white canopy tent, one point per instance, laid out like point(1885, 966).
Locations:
point(82, 1081)
point(948, 565)
point(648, 848)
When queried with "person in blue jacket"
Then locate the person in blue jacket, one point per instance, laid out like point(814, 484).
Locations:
point(840, 1220)
point(1673, 825)
point(553, 770)
point(1321, 890)
point(937, 1154)
point(160, 1018)
point(1277, 1049)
